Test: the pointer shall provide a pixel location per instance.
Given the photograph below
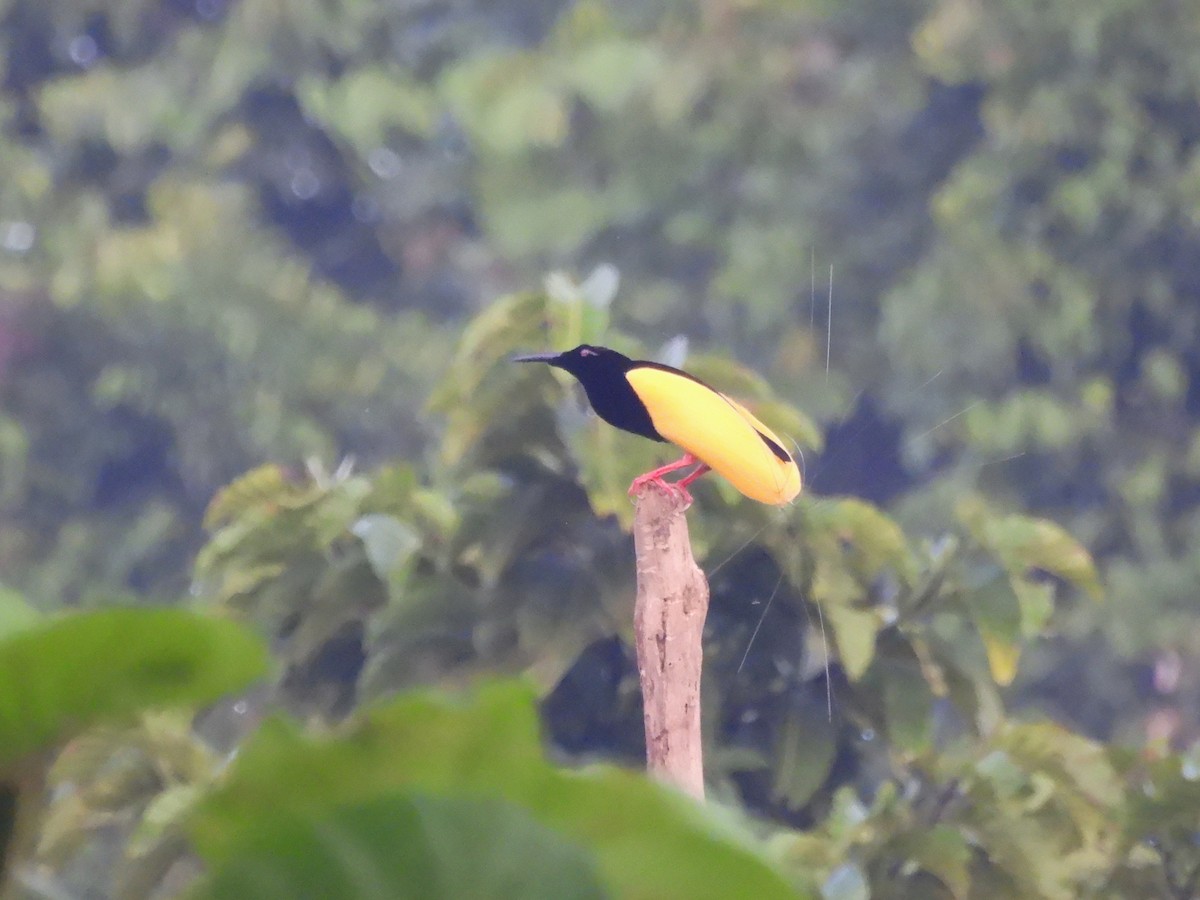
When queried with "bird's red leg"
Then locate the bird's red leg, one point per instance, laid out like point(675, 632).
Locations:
point(682, 484)
point(691, 476)
point(656, 475)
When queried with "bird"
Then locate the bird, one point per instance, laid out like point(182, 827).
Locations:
point(666, 404)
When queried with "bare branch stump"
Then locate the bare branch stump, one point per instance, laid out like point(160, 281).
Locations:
point(672, 602)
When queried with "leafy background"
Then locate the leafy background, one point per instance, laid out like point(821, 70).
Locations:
point(262, 263)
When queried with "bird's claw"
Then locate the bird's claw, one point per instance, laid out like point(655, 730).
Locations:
point(640, 483)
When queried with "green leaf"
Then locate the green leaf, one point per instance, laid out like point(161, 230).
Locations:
point(364, 104)
point(512, 323)
point(943, 852)
point(996, 611)
point(62, 676)
point(907, 696)
point(854, 632)
point(508, 102)
point(648, 840)
point(1022, 543)
point(807, 748)
point(872, 541)
point(259, 488)
point(1045, 806)
point(388, 542)
point(1037, 604)
point(608, 72)
point(1003, 657)
point(1071, 758)
point(163, 814)
point(414, 846)
point(1043, 544)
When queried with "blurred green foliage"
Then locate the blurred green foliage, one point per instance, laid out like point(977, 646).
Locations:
point(643, 840)
point(149, 657)
point(269, 259)
point(64, 675)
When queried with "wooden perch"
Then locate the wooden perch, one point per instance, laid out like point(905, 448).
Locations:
point(672, 602)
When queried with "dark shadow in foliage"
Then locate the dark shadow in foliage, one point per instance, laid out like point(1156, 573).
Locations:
point(755, 643)
point(949, 126)
point(806, 706)
point(595, 709)
point(307, 190)
point(862, 457)
point(31, 59)
point(328, 680)
point(144, 463)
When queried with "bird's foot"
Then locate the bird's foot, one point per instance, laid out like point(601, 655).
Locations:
point(678, 488)
point(655, 476)
point(655, 479)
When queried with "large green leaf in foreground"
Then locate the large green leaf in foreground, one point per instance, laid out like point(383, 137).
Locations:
point(646, 841)
point(65, 674)
point(409, 848)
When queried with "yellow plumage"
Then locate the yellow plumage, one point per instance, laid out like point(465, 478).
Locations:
point(718, 431)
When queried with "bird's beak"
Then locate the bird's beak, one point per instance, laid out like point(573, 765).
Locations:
point(537, 357)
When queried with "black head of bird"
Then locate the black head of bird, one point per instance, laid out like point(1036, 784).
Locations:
point(584, 358)
point(666, 404)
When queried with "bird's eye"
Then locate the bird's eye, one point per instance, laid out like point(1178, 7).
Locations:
point(587, 351)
